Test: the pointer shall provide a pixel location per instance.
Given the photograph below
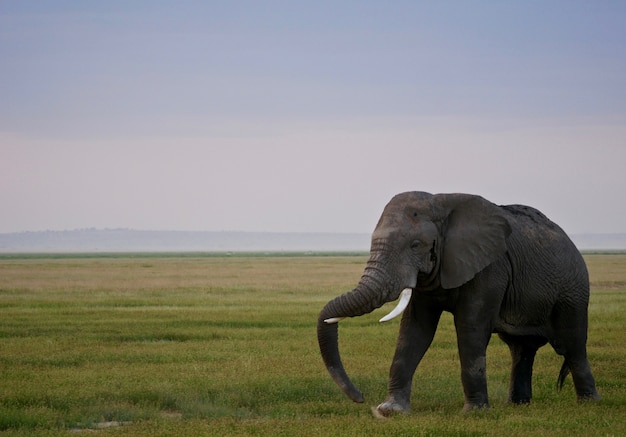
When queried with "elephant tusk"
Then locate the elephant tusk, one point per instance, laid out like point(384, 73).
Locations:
point(334, 320)
point(405, 298)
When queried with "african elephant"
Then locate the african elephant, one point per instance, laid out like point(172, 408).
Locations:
point(497, 269)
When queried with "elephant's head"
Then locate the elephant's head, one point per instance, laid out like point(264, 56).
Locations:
point(421, 242)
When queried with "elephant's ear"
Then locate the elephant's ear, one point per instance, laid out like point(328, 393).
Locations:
point(475, 236)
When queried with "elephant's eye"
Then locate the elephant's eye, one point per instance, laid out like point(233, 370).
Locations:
point(415, 244)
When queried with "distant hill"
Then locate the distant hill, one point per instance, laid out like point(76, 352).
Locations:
point(126, 240)
point(599, 242)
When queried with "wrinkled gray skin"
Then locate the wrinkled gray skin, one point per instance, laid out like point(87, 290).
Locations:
point(502, 269)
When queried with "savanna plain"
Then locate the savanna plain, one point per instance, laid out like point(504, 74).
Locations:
point(200, 344)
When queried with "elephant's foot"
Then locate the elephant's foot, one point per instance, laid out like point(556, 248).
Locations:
point(389, 408)
point(519, 400)
point(589, 397)
point(472, 407)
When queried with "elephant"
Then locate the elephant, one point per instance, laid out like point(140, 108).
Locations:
point(497, 269)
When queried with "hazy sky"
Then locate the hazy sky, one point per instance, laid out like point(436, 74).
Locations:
point(307, 116)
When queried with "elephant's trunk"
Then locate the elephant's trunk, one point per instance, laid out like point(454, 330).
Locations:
point(372, 292)
point(327, 338)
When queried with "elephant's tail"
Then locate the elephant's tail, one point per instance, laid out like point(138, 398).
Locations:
point(562, 375)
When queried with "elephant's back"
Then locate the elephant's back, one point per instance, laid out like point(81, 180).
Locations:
point(531, 227)
point(530, 215)
point(546, 266)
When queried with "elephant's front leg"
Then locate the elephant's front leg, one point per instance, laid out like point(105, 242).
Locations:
point(472, 342)
point(417, 330)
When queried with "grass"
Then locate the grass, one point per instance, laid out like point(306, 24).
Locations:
point(226, 345)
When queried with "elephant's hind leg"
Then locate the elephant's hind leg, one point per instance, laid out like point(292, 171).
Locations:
point(584, 381)
point(571, 342)
point(523, 351)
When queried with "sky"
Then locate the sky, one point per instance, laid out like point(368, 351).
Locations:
point(301, 116)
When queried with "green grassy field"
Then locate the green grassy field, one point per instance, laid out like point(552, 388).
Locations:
point(216, 345)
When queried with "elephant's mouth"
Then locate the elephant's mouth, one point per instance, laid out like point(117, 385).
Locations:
point(405, 298)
